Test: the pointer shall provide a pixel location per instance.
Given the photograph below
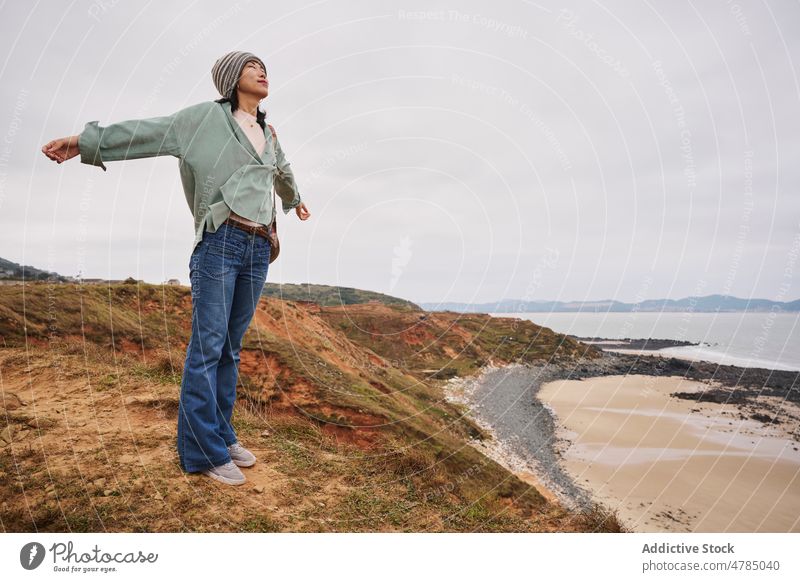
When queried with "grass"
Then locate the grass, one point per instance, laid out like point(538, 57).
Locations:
point(259, 524)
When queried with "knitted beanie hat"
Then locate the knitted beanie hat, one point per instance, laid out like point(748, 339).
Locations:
point(228, 68)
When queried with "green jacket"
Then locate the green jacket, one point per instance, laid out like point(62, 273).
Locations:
point(220, 169)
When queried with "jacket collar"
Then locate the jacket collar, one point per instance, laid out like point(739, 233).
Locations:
point(240, 135)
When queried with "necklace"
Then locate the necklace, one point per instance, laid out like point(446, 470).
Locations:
point(245, 117)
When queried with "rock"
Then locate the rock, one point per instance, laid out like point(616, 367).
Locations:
point(108, 493)
point(13, 402)
point(265, 433)
point(258, 489)
point(7, 434)
point(41, 423)
point(100, 482)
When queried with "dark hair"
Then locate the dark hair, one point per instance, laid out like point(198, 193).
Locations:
point(234, 101)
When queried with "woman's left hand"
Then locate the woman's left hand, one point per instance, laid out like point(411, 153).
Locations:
point(302, 211)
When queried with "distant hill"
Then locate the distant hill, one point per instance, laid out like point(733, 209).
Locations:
point(12, 270)
point(707, 304)
point(332, 295)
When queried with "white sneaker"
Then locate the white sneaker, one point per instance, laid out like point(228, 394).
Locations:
point(228, 473)
point(241, 456)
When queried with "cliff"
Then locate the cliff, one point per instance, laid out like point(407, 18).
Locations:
point(343, 406)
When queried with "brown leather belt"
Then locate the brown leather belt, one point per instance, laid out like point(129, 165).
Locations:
point(260, 230)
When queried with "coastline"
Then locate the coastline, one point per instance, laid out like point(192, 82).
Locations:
point(707, 358)
point(461, 390)
point(528, 437)
point(502, 401)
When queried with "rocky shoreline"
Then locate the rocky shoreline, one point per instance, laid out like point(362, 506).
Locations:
point(634, 343)
point(503, 400)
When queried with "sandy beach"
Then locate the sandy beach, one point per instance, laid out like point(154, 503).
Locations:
point(670, 464)
point(722, 454)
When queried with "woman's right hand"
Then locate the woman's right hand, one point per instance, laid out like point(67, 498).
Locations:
point(62, 149)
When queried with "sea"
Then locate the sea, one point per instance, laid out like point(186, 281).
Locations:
point(768, 340)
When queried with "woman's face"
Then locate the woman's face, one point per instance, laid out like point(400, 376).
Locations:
point(253, 80)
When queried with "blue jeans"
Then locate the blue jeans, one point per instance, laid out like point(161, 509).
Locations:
point(227, 269)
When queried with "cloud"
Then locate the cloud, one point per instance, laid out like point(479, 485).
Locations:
point(580, 127)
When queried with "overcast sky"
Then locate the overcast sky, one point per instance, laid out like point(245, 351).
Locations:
point(464, 151)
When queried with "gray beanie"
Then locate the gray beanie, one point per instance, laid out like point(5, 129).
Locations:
point(228, 68)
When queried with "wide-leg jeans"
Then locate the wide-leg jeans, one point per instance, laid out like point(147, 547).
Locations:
point(228, 269)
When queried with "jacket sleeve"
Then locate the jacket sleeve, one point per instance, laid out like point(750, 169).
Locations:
point(285, 184)
point(129, 140)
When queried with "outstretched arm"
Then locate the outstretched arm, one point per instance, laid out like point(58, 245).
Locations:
point(285, 184)
point(126, 140)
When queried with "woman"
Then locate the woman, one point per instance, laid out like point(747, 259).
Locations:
point(228, 164)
